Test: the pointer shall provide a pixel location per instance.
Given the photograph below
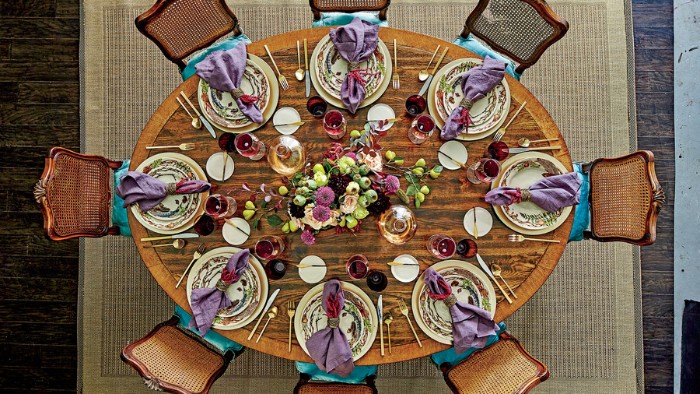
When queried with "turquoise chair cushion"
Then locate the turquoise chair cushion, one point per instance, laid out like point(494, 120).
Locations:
point(474, 45)
point(219, 341)
point(343, 18)
point(451, 356)
point(582, 213)
point(219, 46)
point(119, 217)
point(357, 376)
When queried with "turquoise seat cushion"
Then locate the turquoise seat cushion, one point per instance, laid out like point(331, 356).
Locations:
point(582, 212)
point(219, 46)
point(343, 18)
point(357, 376)
point(451, 356)
point(217, 340)
point(119, 217)
point(472, 44)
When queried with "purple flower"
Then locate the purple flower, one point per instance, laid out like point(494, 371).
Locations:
point(308, 237)
point(321, 213)
point(392, 184)
point(324, 196)
point(351, 155)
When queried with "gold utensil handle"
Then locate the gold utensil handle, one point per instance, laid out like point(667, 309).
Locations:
point(256, 326)
point(545, 140)
point(156, 238)
point(508, 286)
point(298, 55)
point(183, 107)
point(476, 229)
point(414, 331)
point(271, 58)
point(433, 58)
point(502, 291)
point(444, 52)
point(554, 241)
point(306, 55)
point(381, 336)
point(263, 329)
point(553, 147)
point(300, 123)
point(515, 115)
point(396, 66)
point(162, 147)
point(398, 263)
point(196, 111)
point(388, 331)
point(189, 266)
point(289, 348)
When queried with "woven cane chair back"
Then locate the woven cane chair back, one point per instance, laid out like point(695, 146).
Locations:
point(625, 198)
point(318, 6)
point(182, 27)
point(310, 387)
point(519, 29)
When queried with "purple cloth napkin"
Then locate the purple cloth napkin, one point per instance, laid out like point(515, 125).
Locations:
point(355, 43)
point(329, 347)
point(476, 83)
point(551, 193)
point(147, 191)
point(206, 302)
point(471, 325)
point(223, 70)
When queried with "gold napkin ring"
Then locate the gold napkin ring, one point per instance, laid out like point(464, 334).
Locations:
point(466, 103)
point(221, 285)
point(450, 301)
point(353, 66)
point(170, 188)
point(525, 195)
point(237, 93)
point(333, 322)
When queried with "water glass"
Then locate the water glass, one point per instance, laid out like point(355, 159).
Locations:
point(269, 247)
point(357, 266)
point(442, 246)
point(204, 225)
point(226, 142)
point(250, 146)
point(421, 129)
point(467, 248)
point(334, 124)
point(497, 150)
point(483, 171)
point(376, 280)
point(316, 106)
point(219, 206)
point(415, 105)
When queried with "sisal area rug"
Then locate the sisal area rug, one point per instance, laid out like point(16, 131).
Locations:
point(585, 323)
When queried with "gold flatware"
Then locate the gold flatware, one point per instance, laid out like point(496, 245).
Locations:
point(520, 238)
point(270, 315)
point(299, 74)
point(496, 270)
point(176, 236)
point(395, 76)
point(291, 309)
point(177, 244)
point(388, 120)
point(476, 229)
point(233, 224)
point(539, 148)
point(196, 123)
point(185, 146)
point(404, 311)
point(300, 123)
point(203, 121)
point(223, 170)
point(197, 254)
point(398, 263)
point(423, 74)
point(387, 320)
point(426, 84)
point(502, 131)
point(525, 143)
point(310, 265)
point(462, 165)
point(307, 76)
point(282, 80)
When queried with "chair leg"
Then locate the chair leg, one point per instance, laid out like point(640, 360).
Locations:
point(113, 230)
point(465, 31)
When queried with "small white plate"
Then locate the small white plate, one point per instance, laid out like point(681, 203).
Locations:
point(484, 221)
point(233, 235)
point(379, 112)
point(405, 273)
point(286, 115)
point(312, 274)
point(215, 166)
point(455, 150)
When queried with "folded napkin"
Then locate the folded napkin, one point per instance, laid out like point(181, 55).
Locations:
point(206, 302)
point(471, 325)
point(551, 193)
point(223, 70)
point(355, 43)
point(147, 191)
point(476, 83)
point(329, 347)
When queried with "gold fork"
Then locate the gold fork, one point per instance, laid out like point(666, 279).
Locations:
point(404, 311)
point(291, 305)
point(502, 131)
point(184, 146)
point(196, 256)
point(395, 77)
point(280, 77)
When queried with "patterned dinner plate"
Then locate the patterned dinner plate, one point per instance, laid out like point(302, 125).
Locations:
point(358, 320)
point(175, 213)
point(247, 296)
point(445, 94)
point(469, 284)
point(522, 171)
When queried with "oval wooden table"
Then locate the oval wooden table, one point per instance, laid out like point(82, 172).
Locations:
point(526, 265)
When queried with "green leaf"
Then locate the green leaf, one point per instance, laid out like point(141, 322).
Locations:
point(411, 177)
point(255, 223)
point(263, 204)
point(274, 220)
point(411, 190)
point(438, 169)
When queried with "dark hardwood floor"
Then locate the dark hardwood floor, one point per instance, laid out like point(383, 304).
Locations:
point(39, 108)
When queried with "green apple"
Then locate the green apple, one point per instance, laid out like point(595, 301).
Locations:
point(249, 205)
point(320, 179)
point(362, 202)
point(360, 212)
point(352, 188)
point(364, 169)
point(365, 182)
point(299, 200)
point(371, 196)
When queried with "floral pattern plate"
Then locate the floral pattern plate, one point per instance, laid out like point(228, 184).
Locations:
point(175, 213)
point(468, 284)
point(522, 171)
point(488, 114)
point(247, 296)
point(358, 320)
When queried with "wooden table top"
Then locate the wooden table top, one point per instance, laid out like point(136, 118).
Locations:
point(525, 265)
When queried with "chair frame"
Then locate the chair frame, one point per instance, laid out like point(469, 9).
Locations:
point(143, 20)
point(46, 177)
point(560, 25)
point(154, 383)
point(316, 10)
point(542, 371)
point(306, 379)
point(656, 201)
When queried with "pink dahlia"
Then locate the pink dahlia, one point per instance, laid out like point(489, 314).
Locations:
point(308, 237)
point(321, 213)
point(324, 196)
point(392, 184)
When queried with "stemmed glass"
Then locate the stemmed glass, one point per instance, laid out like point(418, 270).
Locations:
point(421, 129)
point(442, 246)
point(250, 146)
point(269, 247)
point(219, 206)
point(334, 124)
point(483, 171)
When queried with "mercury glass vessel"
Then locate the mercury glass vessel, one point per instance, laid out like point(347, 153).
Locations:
point(286, 155)
point(397, 224)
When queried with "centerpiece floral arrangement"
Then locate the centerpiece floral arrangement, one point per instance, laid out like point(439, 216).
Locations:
point(348, 185)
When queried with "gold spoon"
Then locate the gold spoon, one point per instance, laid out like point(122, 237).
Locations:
point(387, 320)
point(299, 73)
point(524, 142)
point(196, 122)
point(270, 315)
point(423, 74)
point(177, 244)
point(185, 146)
point(496, 270)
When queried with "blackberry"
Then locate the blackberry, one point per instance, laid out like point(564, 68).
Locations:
point(338, 183)
point(296, 211)
point(381, 205)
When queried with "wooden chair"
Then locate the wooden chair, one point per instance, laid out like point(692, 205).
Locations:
point(182, 27)
point(75, 195)
point(176, 360)
point(319, 6)
point(305, 386)
point(519, 29)
point(504, 367)
point(625, 198)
